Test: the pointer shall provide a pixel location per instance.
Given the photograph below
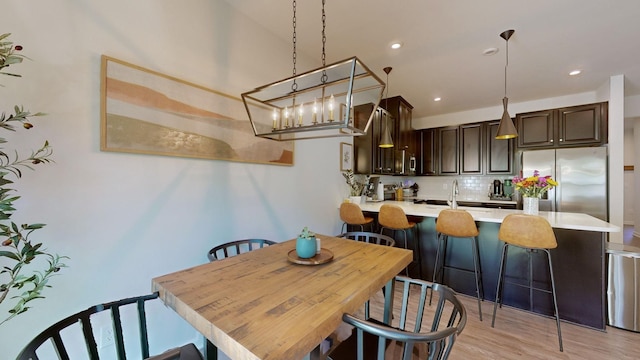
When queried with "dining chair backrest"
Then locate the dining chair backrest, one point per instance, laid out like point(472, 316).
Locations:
point(369, 237)
point(237, 247)
point(437, 327)
point(63, 340)
point(529, 231)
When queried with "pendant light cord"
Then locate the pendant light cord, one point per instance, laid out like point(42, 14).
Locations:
point(505, 70)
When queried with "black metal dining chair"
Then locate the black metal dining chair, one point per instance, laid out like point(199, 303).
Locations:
point(369, 237)
point(237, 247)
point(405, 337)
point(64, 337)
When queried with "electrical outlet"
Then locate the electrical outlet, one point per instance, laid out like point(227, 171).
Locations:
point(444, 186)
point(106, 337)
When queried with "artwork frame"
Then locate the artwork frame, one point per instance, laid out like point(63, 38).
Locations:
point(346, 156)
point(146, 112)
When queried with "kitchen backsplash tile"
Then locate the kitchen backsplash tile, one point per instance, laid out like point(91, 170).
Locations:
point(439, 187)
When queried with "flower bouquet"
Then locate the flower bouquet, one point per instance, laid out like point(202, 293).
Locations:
point(534, 186)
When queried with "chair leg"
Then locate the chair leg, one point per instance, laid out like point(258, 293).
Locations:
point(416, 241)
point(500, 283)
point(406, 269)
point(555, 301)
point(442, 239)
point(478, 274)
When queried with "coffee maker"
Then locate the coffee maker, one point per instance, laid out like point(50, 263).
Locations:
point(497, 188)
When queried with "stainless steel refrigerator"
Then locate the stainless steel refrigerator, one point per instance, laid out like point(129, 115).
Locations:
point(582, 177)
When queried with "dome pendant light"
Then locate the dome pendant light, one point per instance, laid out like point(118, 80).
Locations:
point(385, 139)
point(506, 129)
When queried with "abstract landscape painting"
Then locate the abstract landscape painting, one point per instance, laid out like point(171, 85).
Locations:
point(143, 111)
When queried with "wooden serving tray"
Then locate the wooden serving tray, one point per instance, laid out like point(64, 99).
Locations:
point(324, 257)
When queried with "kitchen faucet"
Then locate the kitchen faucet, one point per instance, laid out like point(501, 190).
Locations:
point(454, 192)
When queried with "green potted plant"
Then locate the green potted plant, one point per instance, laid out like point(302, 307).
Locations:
point(357, 185)
point(25, 266)
point(306, 244)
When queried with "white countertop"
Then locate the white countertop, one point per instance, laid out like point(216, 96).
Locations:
point(560, 220)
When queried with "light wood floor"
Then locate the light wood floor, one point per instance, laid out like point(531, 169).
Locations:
point(521, 335)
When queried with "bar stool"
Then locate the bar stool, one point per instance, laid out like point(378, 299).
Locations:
point(351, 214)
point(459, 224)
point(531, 233)
point(392, 217)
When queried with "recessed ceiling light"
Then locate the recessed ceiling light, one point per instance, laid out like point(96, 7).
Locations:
point(575, 72)
point(396, 45)
point(490, 51)
point(437, 99)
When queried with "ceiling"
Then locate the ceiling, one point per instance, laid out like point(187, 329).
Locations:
point(443, 45)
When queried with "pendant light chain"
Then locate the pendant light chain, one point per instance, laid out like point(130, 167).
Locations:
point(324, 41)
point(294, 86)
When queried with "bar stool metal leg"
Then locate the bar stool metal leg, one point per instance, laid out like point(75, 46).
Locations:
point(438, 271)
point(500, 286)
point(555, 301)
point(478, 273)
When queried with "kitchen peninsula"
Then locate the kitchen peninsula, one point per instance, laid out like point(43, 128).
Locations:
point(579, 260)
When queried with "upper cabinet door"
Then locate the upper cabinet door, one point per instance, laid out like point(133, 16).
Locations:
point(448, 150)
point(471, 147)
point(363, 155)
point(427, 155)
point(499, 152)
point(536, 129)
point(580, 125)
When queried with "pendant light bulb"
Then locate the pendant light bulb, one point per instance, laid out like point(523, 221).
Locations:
point(506, 129)
point(385, 139)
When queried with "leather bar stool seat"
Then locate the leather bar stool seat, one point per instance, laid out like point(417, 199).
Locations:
point(392, 217)
point(533, 234)
point(458, 224)
point(351, 214)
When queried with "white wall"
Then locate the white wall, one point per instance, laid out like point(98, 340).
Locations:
point(124, 218)
point(629, 177)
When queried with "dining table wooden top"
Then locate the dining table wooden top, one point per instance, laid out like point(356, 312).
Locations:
point(261, 305)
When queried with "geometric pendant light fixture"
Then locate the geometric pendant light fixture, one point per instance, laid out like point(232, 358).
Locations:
point(506, 129)
point(385, 138)
point(335, 100)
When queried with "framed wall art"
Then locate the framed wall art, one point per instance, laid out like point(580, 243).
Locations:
point(146, 112)
point(346, 156)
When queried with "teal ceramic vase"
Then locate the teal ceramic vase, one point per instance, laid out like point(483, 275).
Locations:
point(306, 247)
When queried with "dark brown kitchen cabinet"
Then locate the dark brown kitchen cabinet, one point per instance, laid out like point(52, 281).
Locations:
point(427, 156)
point(471, 146)
point(536, 129)
point(363, 145)
point(385, 156)
point(448, 150)
point(404, 139)
point(369, 158)
point(582, 125)
point(401, 111)
point(499, 154)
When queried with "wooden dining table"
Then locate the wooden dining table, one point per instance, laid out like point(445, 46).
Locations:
point(263, 305)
